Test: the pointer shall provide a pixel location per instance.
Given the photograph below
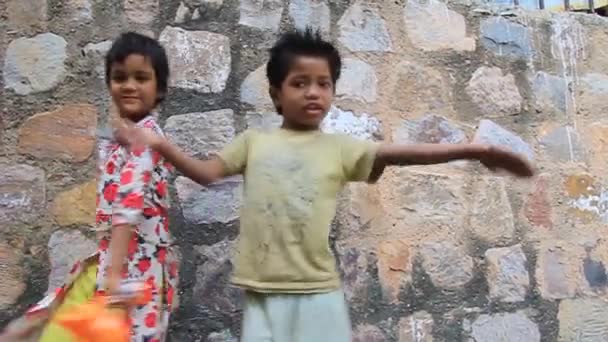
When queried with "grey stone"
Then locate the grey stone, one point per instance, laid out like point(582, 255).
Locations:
point(200, 134)
point(596, 84)
point(22, 194)
point(428, 129)
point(448, 266)
point(368, 333)
point(199, 60)
point(507, 274)
point(550, 91)
point(66, 247)
point(254, 90)
point(12, 276)
point(222, 336)
point(363, 126)
point(95, 55)
point(182, 14)
point(564, 144)
point(80, 10)
point(358, 81)
point(416, 328)
point(491, 133)
point(506, 38)
point(261, 14)
point(212, 288)
point(494, 94)
point(142, 12)
point(503, 327)
point(27, 14)
point(354, 263)
point(264, 121)
point(34, 65)
point(491, 215)
point(558, 270)
point(583, 320)
point(432, 26)
point(361, 28)
point(310, 13)
point(216, 203)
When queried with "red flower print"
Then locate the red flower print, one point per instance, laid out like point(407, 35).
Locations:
point(161, 254)
point(146, 177)
point(138, 150)
point(166, 224)
point(104, 244)
point(110, 192)
point(170, 295)
point(173, 270)
point(144, 265)
point(155, 157)
point(151, 282)
point(132, 247)
point(130, 165)
point(151, 320)
point(110, 167)
point(161, 188)
point(168, 166)
point(151, 212)
point(133, 200)
point(126, 177)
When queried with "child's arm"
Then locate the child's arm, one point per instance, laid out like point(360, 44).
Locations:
point(424, 154)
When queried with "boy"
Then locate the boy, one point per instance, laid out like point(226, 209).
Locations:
point(292, 177)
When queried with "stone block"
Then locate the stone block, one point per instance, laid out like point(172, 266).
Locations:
point(77, 205)
point(583, 320)
point(66, 247)
point(217, 203)
point(491, 133)
point(395, 259)
point(417, 327)
point(448, 265)
point(310, 13)
point(502, 327)
point(506, 38)
point(22, 194)
point(12, 277)
point(491, 214)
point(358, 81)
point(494, 93)
point(263, 15)
point(507, 276)
point(361, 28)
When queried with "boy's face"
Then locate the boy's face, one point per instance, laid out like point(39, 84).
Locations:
point(306, 93)
point(133, 87)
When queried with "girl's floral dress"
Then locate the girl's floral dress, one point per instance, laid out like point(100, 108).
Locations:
point(133, 190)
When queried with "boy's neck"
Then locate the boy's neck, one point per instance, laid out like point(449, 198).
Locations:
point(298, 128)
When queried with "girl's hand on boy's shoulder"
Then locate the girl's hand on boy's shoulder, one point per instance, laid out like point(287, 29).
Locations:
point(496, 158)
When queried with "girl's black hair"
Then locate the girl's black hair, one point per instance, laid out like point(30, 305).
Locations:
point(298, 43)
point(134, 43)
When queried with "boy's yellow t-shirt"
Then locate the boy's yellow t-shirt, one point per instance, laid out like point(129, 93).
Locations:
point(291, 184)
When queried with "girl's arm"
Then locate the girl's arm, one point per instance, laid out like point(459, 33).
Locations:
point(119, 244)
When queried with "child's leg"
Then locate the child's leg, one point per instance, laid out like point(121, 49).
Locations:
point(296, 318)
point(82, 290)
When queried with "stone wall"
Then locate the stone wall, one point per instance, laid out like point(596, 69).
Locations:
point(438, 253)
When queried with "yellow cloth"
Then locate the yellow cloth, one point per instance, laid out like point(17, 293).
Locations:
point(292, 180)
point(81, 291)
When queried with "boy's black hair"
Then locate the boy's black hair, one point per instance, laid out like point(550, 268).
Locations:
point(300, 43)
point(130, 43)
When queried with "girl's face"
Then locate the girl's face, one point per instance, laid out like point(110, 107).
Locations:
point(133, 87)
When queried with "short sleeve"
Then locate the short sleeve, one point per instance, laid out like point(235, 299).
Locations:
point(358, 157)
point(234, 155)
point(135, 176)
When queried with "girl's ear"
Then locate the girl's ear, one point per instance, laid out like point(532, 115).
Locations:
point(274, 95)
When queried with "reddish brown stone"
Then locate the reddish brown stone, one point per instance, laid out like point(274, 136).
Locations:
point(538, 207)
point(67, 133)
point(579, 185)
point(394, 266)
point(76, 205)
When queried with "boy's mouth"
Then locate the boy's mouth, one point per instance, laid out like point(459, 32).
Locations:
point(313, 109)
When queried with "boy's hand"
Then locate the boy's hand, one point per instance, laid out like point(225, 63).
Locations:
point(495, 158)
point(128, 135)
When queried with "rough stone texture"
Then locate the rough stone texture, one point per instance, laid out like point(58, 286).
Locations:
point(503, 327)
point(222, 336)
point(587, 200)
point(424, 88)
point(564, 144)
point(394, 266)
point(76, 206)
point(27, 14)
point(551, 92)
point(492, 133)
point(507, 274)
point(95, 55)
point(62, 259)
point(12, 275)
point(361, 28)
point(368, 333)
point(537, 208)
point(217, 203)
point(357, 82)
point(429, 129)
point(416, 328)
point(254, 90)
point(596, 138)
point(431, 26)
point(67, 133)
point(447, 264)
point(506, 38)
point(34, 65)
point(22, 194)
point(199, 60)
point(263, 15)
point(558, 270)
point(141, 11)
point(200, 134)
point(212, 277)
point(583, 320)
point(491, 215)
point(494, 94)
point(364, 126)
point(80, 10)
point(311, 13)
point(264, 121)
point(354, 264)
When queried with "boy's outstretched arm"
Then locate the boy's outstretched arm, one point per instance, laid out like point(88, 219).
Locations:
point(492, 157)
